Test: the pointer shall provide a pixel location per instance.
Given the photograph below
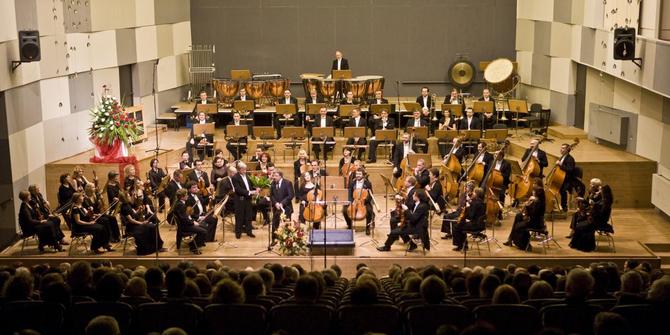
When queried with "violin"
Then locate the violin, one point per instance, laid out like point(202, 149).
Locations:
point(357, 210)
point(203, 189)
point(314, 212)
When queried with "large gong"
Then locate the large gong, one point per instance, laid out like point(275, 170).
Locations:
point(461, 73)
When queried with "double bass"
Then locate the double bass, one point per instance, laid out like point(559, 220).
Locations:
point(530, 169)
point(314, 212)
point(476, 170)
point(555, 179)
point(404, 166)
point(493, 182)
point(450, 168)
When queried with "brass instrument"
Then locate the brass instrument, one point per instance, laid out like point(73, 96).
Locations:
point(432, 107)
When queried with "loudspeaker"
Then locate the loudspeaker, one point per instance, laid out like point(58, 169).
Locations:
point(624, 43)
point(29, 45)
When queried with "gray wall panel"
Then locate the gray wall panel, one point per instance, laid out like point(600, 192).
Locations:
point(24, 108)
point(81, 91)
point(662, 69)
point(400, 39)
point(171, 11)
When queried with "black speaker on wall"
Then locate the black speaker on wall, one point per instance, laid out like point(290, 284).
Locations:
point(29, 45)
point(624, 43)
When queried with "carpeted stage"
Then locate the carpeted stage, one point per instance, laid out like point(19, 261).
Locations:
point(641, 232)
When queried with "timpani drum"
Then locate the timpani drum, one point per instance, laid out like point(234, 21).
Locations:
point(357, 86)
point(276, 87)
point(226, 89)
point(310, 81)
point(327, 87)
point(255, 89)
point(500, 75)
point(375, 83)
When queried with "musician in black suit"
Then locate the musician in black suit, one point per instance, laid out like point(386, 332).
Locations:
point(185, 224)
point(290, 119)
point(357, 120)
point(199, 204)
point(281, 195)
point(415, 122)
point(194, 140)
point(156, 175)
point(340, 63)
point(538, 153)
point(31, 222)
point(473, 220)
point(421, 173)
point(457, 150)
point(377, 100)
point(173, 186)
point(313, 98)
point(434, 189)
point(567, 164)
point(359, 182)
point(470, 121)
point(322, 121)
point(402, 149)
point(410, 188)
point(416, 223)
point(316, 172)
point(453, 98)
point(384, 123)
point(425, 100)
point(198, 174)
point(250, 116)
point(202, 99)
point(243, 96)
point(239, 150)
point(501, 165)
point(242, 201)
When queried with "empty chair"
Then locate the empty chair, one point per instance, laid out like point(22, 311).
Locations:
point(44, 317)
point(379, 318)
point(570, 318)
point(425, 319)
point(514, 319)
point(234, 319)
point(83, 312)
point(158, 316)
point(299, 319)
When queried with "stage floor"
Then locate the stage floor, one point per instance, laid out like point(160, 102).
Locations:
point(634, 228)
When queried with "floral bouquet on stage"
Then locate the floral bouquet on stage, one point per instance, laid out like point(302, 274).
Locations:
point(260, 181)
point(112, 131)
point(292, 238)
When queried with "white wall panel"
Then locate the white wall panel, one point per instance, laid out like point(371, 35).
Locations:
point(55, 97)
point(649, 132)
point(165, 40)
point(146, 43)
point(50, 17)
point(627, 96)
point(166, 74)
point(144, 13)
point(7, 20)
point(594, 14)
point(109, 15)
point(109, 77)
point(181, 37)
point(563, 72)
point(53, 62)
point(78, 54)
point(525, 64)
point(560, 40)
point(102, 49)
point(18, 150)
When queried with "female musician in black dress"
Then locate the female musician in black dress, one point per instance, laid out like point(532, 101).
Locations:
point(583, 227)
point(219, 171)
point(83, 220)
point(306, 186)
point(146, 234)
point(112, 187)
point(532, 216)
point(43, 208)
point(130, 177)
point(300, 166)
point(31, 222)
point(93, 203)
point(65, 191)
point(447, 122)
point(156, 176)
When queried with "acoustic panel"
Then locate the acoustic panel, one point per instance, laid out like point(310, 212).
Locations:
point(55, 97)
point(144, 13)
point(24, 108)
point(54, 62)
point(109, 15)
point(8, 29)
point(126, 46)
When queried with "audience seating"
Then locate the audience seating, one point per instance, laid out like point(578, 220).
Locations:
point(302, 319)
point(46, 318)
point(377, 318)
point(158, 316)
point(512, 319)
point(83, 312)
point(570, 318)
point(234, 319)
point(425, 318)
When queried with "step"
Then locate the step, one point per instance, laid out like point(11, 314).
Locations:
point(567, 132)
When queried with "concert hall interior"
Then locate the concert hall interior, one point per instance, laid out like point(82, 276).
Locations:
point(417, 133)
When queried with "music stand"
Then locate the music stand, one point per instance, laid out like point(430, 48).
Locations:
point(377, 109)
point(411, 106)
point(324, 133)
point(241, 75)
point(335, 196)
point(286, 110)
point(237, 132)
point(340, 74)
point(265, 133)
point(345, 110)
point(313, 109)
point(419, 133)
point(206, 129)
point(207, 108)
point(387, 184)
point(445, 136)
point(350, 132)
point(455, 110)
point(388, 136)
point(293, 133)
point(500, 135)
point(483, 107)
point(518, 107)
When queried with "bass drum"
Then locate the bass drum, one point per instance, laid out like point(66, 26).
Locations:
point(501, 76)
point(310, 81)
point(375, 83)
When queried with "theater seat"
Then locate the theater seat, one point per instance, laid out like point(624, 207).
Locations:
point(302, 319)
point(158, 316)
point(233, 319)
point(425, 319)
point(362, 319)
point(513, 319)
point(83, 312)
point(45, 317)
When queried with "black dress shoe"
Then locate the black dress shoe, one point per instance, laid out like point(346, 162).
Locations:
point(371, 161)
point(412, 246)
point(251, 235)
point(384, 248)
point(507, 243)
point(367, 230)
point(457, 248)
point(446, 237)
point(196, 252)
point(238, 235)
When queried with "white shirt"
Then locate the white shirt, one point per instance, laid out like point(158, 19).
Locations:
point(454, 149)
point(425, 102)
point(454, 101)
point(287, 101)
point(417, 123)
point(379, 101)
point(498, 165)
point(237, 123)
point(339, 64)
point(357, 121)
point(197, 202)
point(469, 122)
point(243, 98)
point(535, 153)
point(246, 183)
point(385, 123)
point(407, 149)
point(322, 123)
point(178, 185)
point(481, 158)
point(562, 159)
point(416, 205)
point(359, 184)
point(279, 183)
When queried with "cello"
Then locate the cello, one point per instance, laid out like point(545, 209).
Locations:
point(356, 209)
point(314, 212)
point(477, 169)
point(555, 179)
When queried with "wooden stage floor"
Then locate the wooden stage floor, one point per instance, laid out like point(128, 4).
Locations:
point(636, 224)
